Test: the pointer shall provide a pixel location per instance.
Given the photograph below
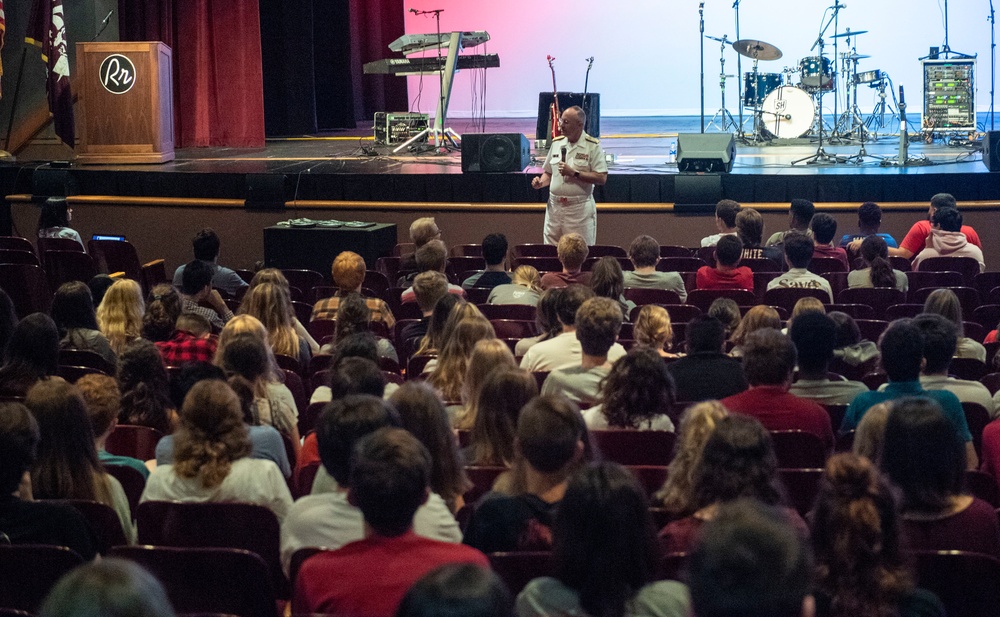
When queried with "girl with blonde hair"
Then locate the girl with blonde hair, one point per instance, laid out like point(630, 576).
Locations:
point(502, 396)
point(119, 316)
point(696, 426)
point(487, 356)
point(275, 277)
point(758, 317)
point(272, 306)
point(442, 327)
point(652, 328)
point(525, 287)
point(212, 456)
point(448, 375)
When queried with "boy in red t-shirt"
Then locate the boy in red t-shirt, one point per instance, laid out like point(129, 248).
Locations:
point(728, 274)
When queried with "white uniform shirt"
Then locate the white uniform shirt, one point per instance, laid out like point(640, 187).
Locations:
point(585, 155)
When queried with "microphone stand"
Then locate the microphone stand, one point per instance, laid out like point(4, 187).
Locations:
point(993, 59)
point(104, 24)
point(701, 41)
point(739, 73)
point(821, 156)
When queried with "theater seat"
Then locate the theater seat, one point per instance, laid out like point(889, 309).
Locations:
point(29, 571)
point(967, 583)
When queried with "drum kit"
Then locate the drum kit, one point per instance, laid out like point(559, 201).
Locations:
point(788, 104)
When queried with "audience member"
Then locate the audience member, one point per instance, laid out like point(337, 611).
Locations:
point(637, 393)
point(196, 289)
point(750, 230)
point(163, 307)
point(757, 318)
point(804, 306)
point(22, 519)
point(605, 554)
point(54, 218)
point(359, 346)
point(145, 388)
point(697, 425)
point(652, 328)
point(940, 339)
point(422, 413)
point(727, 311)
point(272, 306)
point(206, 250)
point(487, 356)
point(725, 221)
point(355, 317)
point(348, 271)
point(32, 355)
point(495, 256)
point(422, 231)
point(564, 350)
point(328, 518)
point(902, 352)
point(769, 361)
point(546, 320)
point(110, 588)
point(447, 313)
point(388, 483)
point(212, 456)
point(814, 335)
point(878, 272)
point(598, 322)
point(103, 400)
point(275, 276)
point(428, 289)
point(99, 286)
point(800, 214)
point(798, 254)
point(502, 396)
point(607, 281)
point(737, 461)
point(751, 561)
point(916, 239)
point(944, 302)
point(855, 531)
point(525, 287)
point(67, 466)
point(850, 348)
point(728, 273)
point(457, 589)
point(431, 257)
point(947, 240)
point(192, 341)
point(550, 446)
point(265, 440)
point(448, 376)
point(937, 515)
point(870, 434)
point(869, 221)
point(824, 228)
point(706, 372)
point(644, 253)
point(8, 321)
point(120, 314)
point(73, 313)
point(572, 251)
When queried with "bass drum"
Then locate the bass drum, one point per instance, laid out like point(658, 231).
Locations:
point(788, 112)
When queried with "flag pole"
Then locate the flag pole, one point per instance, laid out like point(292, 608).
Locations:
point(4, 154)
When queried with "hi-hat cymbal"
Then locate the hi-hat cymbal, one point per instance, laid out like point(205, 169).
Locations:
point(848, 33)
point(855, 56)
point(758, 50)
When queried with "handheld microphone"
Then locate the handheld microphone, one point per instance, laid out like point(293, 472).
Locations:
point(107, 18)
point(564, 154)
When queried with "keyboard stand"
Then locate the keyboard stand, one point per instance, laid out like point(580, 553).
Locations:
point(441, 134)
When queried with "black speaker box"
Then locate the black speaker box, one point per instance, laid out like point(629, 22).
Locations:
point(591, 106)
point(54, 182)
point(706, 152)
point(697, 193)
point(495, 152)
point(991, 150)
point(265, 191)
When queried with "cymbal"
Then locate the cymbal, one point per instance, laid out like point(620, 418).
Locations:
point(848, 33)
point(759, 50)
point(855, 56)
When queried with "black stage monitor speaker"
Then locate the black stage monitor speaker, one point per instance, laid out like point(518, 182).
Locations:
point(265, 191)
point(991, 150)
point(495, 152)
point(706, 152)
point(697, 193)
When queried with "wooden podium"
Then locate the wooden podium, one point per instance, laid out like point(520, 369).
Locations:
point(126, 103)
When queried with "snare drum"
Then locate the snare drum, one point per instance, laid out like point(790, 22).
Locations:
point(788, 112)
point(755, 91)
point(816, 72)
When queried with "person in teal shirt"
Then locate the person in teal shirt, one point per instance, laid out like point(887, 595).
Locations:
point(103, 400)
point(902, 349)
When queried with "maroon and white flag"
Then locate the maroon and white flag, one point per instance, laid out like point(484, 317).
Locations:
point(3, 31)
point(47, 30)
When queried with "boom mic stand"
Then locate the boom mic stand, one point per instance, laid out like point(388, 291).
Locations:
point(739, 73)
point(726, 119)
point(701, 41)
point(993, 59)
point(821, 157)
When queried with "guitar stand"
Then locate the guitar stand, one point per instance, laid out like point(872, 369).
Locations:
point(441, 139)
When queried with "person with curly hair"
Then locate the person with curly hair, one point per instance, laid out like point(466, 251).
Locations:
point(212, 456)
point(163, 307)
point(637, 393)
point(73, 312)
point(119, 316)
point(857, 543)
point(738, 461)
point(145, 388)
point(652, 328)
point(697, 424)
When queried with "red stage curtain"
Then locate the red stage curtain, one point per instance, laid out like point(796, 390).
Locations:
point(218, 84)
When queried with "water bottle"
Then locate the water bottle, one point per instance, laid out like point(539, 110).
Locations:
point(672, 157)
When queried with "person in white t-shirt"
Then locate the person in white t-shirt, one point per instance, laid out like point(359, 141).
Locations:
point(564, 351)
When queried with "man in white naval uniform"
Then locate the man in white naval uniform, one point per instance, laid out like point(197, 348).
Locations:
point(580, 165)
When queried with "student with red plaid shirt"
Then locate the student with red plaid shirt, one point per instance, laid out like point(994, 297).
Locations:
point(192, 341)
